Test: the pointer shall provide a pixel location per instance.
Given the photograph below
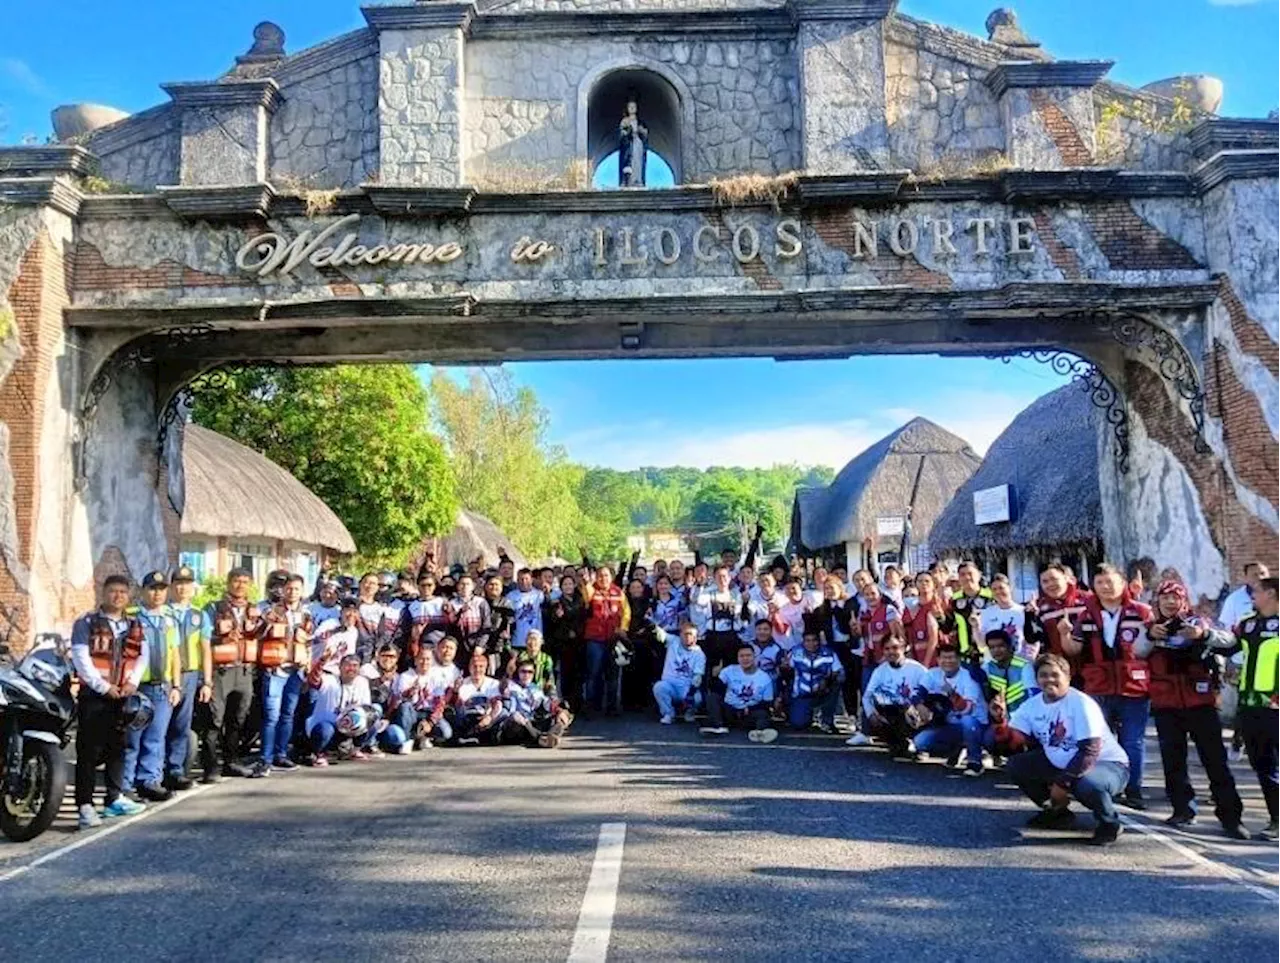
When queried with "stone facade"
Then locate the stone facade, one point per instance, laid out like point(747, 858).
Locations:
point(950, 195)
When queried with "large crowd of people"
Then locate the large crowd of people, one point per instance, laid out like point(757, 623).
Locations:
point(1057, 692)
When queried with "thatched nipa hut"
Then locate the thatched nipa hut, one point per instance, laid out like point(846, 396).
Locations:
point(472, 536)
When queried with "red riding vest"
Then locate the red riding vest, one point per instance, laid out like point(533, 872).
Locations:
point(1113, 670)
point(230, 642)
point(1180, 679)
point(114, 662)
point(604, 614)
point(875, 627)
point(917, 629)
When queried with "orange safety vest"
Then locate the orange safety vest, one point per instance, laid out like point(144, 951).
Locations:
point(233, 644)
point(114, 662)
point(604, 614)
point(278, 647)
point(1113, 670)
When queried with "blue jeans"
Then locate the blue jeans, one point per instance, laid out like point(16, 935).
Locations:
point(667, 693)
point(178, 738)
point(144, 748)
point(802, 708)
point(599, 694)
point(406, 718)
point(947, 738)
point(1128, 720)
point(323, 734)
point(280, 694)
point(1096, 789)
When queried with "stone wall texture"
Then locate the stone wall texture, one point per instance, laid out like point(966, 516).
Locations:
point(420, 107)
point(522, 100)
point(325, 132)
point(842, 78)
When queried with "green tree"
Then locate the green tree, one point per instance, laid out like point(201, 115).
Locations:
point(356, 435)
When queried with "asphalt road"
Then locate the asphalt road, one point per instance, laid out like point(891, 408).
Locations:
point(803, 850)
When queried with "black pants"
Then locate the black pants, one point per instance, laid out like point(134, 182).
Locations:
point(755, 715)
point(100, 737)
point(1259, 728)
point(1203, 726)
point(851, 688)
point(721, 649)
point(223, 718)
point(892, 728)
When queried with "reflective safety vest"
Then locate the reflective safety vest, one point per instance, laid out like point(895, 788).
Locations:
point(962, 606)
point(1008, 681)
point(233, 634)
point(161, 632)
point(604, 614)
point(1259, 638)
point(190, 631)
point(1113, 669)
point(114, 658)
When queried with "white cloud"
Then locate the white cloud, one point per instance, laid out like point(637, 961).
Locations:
point(977, 417)
point(20, 75)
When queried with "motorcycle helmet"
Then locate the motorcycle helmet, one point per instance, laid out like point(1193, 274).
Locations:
point(621, 654)
point(353, 722)
point(136, 712)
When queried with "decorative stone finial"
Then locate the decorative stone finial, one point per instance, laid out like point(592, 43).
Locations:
point(1199, 91)
point(268, 44)
point(1002, 28)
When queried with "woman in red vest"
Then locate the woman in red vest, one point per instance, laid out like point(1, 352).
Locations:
point(607, 619)
point(1184, 695)
point(1106, 637)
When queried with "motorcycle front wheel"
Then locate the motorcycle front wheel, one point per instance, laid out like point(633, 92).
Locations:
point(44, 781)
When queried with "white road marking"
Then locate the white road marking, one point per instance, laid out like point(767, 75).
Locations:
point(1188, 853)
point(595, 922)
point(113, 826)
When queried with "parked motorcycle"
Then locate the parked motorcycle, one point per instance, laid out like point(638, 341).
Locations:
point(36, 714)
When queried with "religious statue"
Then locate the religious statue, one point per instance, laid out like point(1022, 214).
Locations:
point(633, 146)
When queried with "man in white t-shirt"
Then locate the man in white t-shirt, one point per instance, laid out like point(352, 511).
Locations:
point(896, 684)
point(331, 696)
point(1002, 613)
point(682, 673)
point(954, 691)
point(479, 705)
point(527, 601)
point(741, 694)
point(1075, 754)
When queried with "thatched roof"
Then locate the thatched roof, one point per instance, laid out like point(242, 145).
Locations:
point(234, 491)
point(1049, 454)
point(919, 457)
point(472, 535)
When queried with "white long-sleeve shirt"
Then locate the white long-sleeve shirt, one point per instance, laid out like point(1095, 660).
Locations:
point(80, 658)
point(1234, 608)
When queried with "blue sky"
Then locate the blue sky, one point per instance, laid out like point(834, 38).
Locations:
point(630, 413)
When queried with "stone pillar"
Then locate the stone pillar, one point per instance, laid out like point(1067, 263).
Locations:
point(420, 96)
point(840, 48)
point(1047, 111)
point(225, 130)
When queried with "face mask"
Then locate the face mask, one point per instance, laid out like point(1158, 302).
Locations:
point(911, 602)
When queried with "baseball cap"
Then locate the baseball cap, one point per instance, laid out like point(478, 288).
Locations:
point(154, 580)
point(183, 573)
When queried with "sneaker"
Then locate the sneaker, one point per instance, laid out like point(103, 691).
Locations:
point(123, 806)
point(857, 740)
point(1235, 831)
point(320, 761)
point(89, 818)
point(1134, 801)
point(468, 741)
point(667, 720)
point(753, 735)
point(1052, 819)
point(373, 752)
point(210, 777)
point(1106, 834)
point(260, 771)
point(953, 760)
point(1269, 833)
point(403, 749)
point(1236, 754)
point(766, 735)
point(154, 792)
point(690, 716)
point(235, 769)
point(177, 782)
point(284, 764)
point(714, 731)
point(825, 729)
point(1181, 819)
point(973, 771)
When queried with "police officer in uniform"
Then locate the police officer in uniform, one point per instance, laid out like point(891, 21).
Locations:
point(109, 653)
point(195, 679)
point(144, 758)
point(231, 625)
point(1258, 715)
point(967, 604)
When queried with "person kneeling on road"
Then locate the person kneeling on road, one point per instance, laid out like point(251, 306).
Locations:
point(741, 694)
point(682, 673)
point(331, 699)
point(479, 712)
point(1077, 754)
point(892, 689)
point(965, 721)
point(419, 699)
point(534, 716)
point(817, 675)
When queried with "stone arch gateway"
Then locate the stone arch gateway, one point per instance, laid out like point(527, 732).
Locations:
point(915, 190)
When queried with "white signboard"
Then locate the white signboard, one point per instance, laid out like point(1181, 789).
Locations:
point(889, 525)
point(991, 505)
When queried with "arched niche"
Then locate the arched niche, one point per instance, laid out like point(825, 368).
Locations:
point(665, 105)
